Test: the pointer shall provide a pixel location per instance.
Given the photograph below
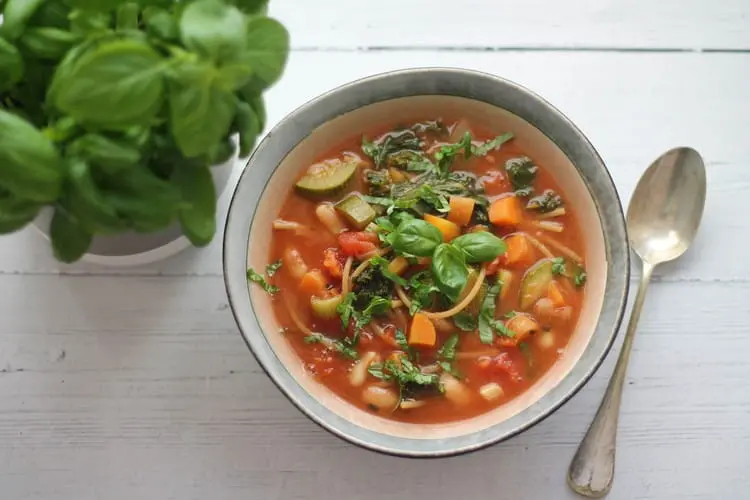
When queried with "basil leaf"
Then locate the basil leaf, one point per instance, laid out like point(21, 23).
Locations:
point(94, 5)
point(340, 346)
point(487, 314)
point(273, 267)
point(267, 53)
point(47, 43)
point(87, 203)
point(251, 6)
point(161, 24)
point(114, 84)
point(448, 351)
point(16, 15)
point(481, 246)
point(450, 271)
point(127, 16)
point(258, 279)
point(491, 145)
point(416, 237)
point(214, 30)
point(146, 201)
point(198, 212)
point(15, 212)
point(89, 22)
point(194, 102)
point(11, 65)
point(346, 310)
point(248, 125)
point(111, 155)
point(70, 240)
point(383, 264)
point(30, 166)
point(465, 321)
point(422, 288)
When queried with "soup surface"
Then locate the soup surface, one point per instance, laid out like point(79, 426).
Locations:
point(428, 272)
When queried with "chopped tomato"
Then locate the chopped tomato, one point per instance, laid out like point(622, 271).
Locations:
point(356, 244)
point(495, 182)
point(332, 262)
point(503, 363)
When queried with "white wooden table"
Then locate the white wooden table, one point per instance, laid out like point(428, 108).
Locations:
point(123, 384)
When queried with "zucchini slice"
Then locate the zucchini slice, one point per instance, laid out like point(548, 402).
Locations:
point(328, 176)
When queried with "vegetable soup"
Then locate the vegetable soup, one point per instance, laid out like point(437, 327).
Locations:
point(426, 273)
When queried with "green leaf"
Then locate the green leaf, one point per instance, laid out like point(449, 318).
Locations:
point(194, 102)
point(491, 145)
point(87, 203)
point(115, 84)
point(346, 310)
point(111, 155)
point(127, 16)
point(253, 7)
point(422, 288)
point(89, 22)
point(487, 314)
point(147, 201)
point(464, 321)
point(258, 279)
point(30, 166)
point(161, 24)
point(198, 215)
point(522, 173)
point(545, 202)
point(259, 108)
point(16, 212)
point(95, 5)
point(580, 276)
point(383, 264)
point(450, 271)
point(448, 351)
point(70, 239)
point(48, 43)
point(416, 237)
point(273, 267)
point(339, 346)
point(558, 266)
point(248, 125)
point(266, 53)
point(481, 246)
point(11, 65)
point(16, 15)
point(51, 14)
point(214, 30)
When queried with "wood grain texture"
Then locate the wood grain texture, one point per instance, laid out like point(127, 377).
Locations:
point(154, 395)
point(508, 24)
point(630, 109)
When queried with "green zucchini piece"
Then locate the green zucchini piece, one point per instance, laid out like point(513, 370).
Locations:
point(535, 283)
point(356, 211)
point(328, 176)
point(325, 308)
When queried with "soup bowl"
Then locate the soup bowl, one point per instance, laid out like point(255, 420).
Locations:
point(549, 138)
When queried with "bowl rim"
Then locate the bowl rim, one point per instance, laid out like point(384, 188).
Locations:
point(472, 84)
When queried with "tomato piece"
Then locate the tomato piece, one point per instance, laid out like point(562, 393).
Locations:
point(493, 266)
point(503, 363)
point(333, 262)
point(356, 244)
point(495, 182)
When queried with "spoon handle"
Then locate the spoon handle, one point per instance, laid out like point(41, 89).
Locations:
point(593, 466)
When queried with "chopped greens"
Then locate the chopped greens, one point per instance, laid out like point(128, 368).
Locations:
point(273, 267)
point(405, 373)
point(392, 143)
point(342, 347)
point(378, 181)
point(486, 318)
point(545, 202)
point(522, 173)
point(422, 288)
point(258, 279)
point(383, 264)
point(580, 276)
point(558, 266)
point(447, 355)
point(465, 321)
point(348, 311)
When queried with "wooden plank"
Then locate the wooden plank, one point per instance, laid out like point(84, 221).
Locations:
point(632, 107)
point(155, 395)
point(505, 24)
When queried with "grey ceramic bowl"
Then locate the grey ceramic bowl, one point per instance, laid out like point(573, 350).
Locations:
point(542, 131)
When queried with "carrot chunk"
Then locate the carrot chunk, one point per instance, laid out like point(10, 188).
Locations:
point(555, 294)
point(422, 331)
point(506, 211)
point(332, 263)
point(313, 282)
point(519, 251)
point(448, 229)
point(461, 209)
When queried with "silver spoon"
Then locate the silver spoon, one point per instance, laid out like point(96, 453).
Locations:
point(663, 217)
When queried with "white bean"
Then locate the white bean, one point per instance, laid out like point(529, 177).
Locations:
point(294, 263)
point(358, 374)
point(491, 391)
point(543, 308)
point(329, 218)
point(382, 398)
point(545, 340)
point(455, 391)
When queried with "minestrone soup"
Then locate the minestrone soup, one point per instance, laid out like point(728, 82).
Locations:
point(427, 273)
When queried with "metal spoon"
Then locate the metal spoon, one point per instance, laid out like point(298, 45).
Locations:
point(662, 220)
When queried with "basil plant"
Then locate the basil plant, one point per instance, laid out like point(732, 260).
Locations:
point(112, 112)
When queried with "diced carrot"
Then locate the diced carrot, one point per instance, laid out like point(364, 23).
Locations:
point(506, 211)
point(461, 209)
point(313, 282)
point(519, 251)
point(446, 227)
point(555, 294)
point(422, 331)
point(398, 265)
point(332, 263)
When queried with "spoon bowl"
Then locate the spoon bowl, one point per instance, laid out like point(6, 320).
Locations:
point(667, 205)
point(663, 218)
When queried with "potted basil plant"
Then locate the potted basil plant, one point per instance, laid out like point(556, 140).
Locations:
point(112, 114)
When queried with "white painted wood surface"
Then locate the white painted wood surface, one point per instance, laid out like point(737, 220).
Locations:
point(121, 384)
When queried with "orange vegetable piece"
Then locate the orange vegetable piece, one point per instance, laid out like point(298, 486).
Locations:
point(506, 211)
point(461, 209)
point(422, 331)
point(555, 294)
point(313, 282)
point(518, 251)
point(332, 263)
point(446, 227)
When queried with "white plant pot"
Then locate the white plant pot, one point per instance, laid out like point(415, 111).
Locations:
point(135, 249)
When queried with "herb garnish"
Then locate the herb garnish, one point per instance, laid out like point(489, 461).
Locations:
point(257, 278)
point(273, 267)
point(558, 266)
point(447, 355)
point(405, 373)
point(342, 347)
point(522, 173)
point(545, 202)
point(465, 321)
point(486, 317)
